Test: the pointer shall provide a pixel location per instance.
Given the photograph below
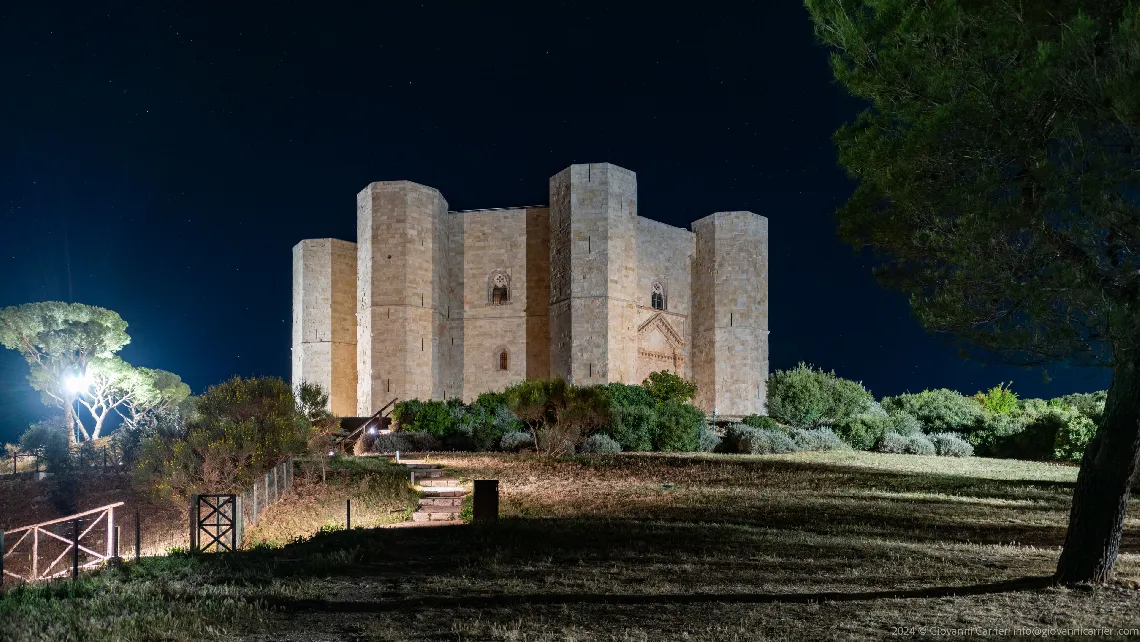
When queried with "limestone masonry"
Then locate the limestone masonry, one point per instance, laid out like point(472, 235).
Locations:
point(434, 304)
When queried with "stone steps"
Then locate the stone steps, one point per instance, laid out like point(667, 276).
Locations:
point(438, 481)
point(454, 500)
point(441, 496)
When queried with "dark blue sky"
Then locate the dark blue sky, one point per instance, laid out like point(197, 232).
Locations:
point(161, 161)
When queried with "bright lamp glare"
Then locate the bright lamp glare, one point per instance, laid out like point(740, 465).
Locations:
point(78, 384)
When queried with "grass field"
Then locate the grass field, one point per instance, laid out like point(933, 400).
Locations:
point(642, 547)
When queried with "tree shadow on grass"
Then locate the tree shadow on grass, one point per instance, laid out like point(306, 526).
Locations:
point(513, 600)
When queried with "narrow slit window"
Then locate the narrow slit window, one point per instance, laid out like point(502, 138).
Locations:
point(657, 297)
point(504, 360)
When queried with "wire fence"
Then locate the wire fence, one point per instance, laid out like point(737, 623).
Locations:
point(32, 464)
point(266, 491)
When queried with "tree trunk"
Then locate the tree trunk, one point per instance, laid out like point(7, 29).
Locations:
point(1100, 499)
point(69, 418)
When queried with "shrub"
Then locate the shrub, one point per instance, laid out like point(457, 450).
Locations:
point(677, 427)
point(740, 438)
point(599, 444)
point(48, 440)
point(804, 397)
point(760, 421)
point(632, 426)
point(903, 423)
point(238, 430)
point(994, 436)
point(892, 442)
point(708, 441)
point(665, 386)
point(817, 439)
point(919, 444)
point(405, 442)
point(951, 444)
point(863, 431)
point(515, 441)
point(1073, 436)
point(916, 444)
point(1089, 404)
point(999, 399)
point(939, 410)
point(437, 418)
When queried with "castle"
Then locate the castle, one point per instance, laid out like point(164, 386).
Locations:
point(433, 304)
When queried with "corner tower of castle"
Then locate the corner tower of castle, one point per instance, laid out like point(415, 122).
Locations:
point(436, 304)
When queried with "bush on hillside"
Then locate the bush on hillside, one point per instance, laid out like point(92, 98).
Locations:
point(665, 386)
point(599, 444)
point(677, 427)
point(437, 418)
point(804, 397)
point(951, 444)
point(863, 431)
point(740, 438)
point(760, 421)
point(817, 439)
point(632, 416)
point(903, 423)
point(513, 442)
point(632, 427)
point(939, 410)
point(1089, 404)
point(916, 444)
point(919, 444)
point(708, 441)
point(892, 442)
point(405, 442)
point(999, 400)
point(237, 431)
point(1073, 436)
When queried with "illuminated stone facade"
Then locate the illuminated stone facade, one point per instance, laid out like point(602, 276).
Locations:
point(441, 304)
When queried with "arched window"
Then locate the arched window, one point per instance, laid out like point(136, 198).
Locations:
point(499, 288)
point(504, 360)
point(657, 298)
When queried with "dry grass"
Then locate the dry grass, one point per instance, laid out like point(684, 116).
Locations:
point(661, 547)
point(710, 547)
point(379, 492)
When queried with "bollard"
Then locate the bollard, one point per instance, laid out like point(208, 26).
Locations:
point(397, 456)
point(75, 552)
point(486, 502)
point(348, 514)
point(138, 537)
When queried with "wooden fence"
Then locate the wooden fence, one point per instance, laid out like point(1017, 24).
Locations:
point(46, 538)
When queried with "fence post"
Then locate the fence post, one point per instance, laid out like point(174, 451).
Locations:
point(348, 514)
point(193, 523)
point(236, 531)
point(111, 532)
point(266, 498)
point(1, 560)
point(75, 552)
point(138, 537)
point(116, 557)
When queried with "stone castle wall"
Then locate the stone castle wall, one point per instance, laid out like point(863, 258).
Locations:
point(324, 319)
point(730, 332)
point(580, 277)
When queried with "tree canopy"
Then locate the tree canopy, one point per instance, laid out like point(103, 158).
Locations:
point(58, 340)
point(998, 178)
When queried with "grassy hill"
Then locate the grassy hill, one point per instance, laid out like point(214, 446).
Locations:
point(848, 545)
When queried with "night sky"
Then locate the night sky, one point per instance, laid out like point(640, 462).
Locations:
point(163, 161)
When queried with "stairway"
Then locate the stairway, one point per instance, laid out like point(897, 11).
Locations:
point(441, 497)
